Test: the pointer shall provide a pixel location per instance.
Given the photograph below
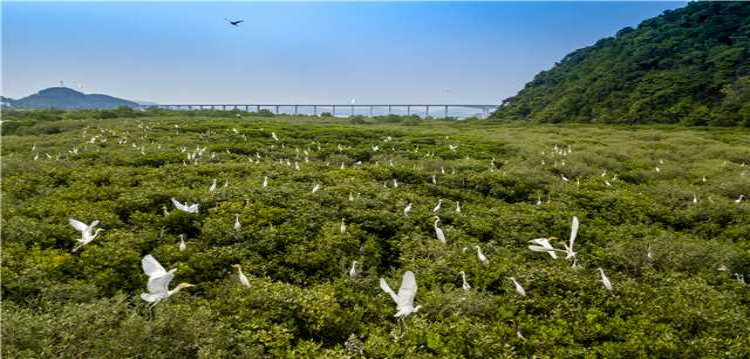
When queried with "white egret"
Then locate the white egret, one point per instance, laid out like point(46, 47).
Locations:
point(275, 138)
point(395, 183)
point(458, 207)
point(465, 285)
point(407, 209)
point(518, 286)
point(187, 208)
point(542, 245)
point(213, 185)
point(237, 226)
point(695, 199)
point(316, 188)
point(87, 232)
point(265, 181)
point(739, 199)
point(158, 281)
point(353, 269)
point(242, 277)
point(434, 180)
point(658, 170)
point(481, 256)
point(351, 197)
point(343, 227)
point(405, 297)
point(439, 205)
point(439, 232)
point(182, 246)
point(164, 208)
point(564, 178)
point(605, 280)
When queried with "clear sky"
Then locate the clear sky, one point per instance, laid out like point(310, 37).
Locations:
point(300, 52)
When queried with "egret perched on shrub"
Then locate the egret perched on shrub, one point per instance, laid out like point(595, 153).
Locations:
point(353, 269)
point(213, 186)
point(158, 281)
point(343, 227)
point(439, 205)
point(265, 181)
point(518, 286)
point(458, 207)
point(237, 226)
point(242, 277)
point(465, 285)
point(182, 246)
point(405, 297)
point(316, 188)
point(407, 209)
point(439, 232)
point(481, 256)
point(605, 280)
point(87, 232)
point(187, 208)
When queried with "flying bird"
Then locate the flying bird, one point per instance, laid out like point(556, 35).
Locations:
point(405, 297)
point(158, 281)
point(235, 23)
point(187, 208)
point(87, 232)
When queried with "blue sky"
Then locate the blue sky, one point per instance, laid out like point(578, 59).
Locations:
point(300, 52)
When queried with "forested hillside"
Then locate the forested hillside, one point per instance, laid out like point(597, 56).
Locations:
point(690, 66)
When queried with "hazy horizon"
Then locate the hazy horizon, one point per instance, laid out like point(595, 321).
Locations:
point(299, 52)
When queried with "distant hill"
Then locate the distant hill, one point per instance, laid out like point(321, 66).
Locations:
point(66, 98)
point(690, 65)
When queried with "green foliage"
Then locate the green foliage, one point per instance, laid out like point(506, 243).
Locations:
point(686, 66)
point(676, 302)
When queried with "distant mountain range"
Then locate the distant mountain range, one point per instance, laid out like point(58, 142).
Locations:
point(66, 98)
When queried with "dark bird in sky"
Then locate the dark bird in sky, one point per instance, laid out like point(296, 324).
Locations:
point(234, 23)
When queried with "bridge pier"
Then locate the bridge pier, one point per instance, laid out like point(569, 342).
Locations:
point(296, 110)
point(315, 110)
point(370, 111)
point(427, 113)
point(446, 111)
point(408, 110)
point(334, 110)
point(352, 112)
point(389, 109)
point(277, 109)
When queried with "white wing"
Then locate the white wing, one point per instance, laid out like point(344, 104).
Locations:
point(160, 284)
point(408, 289)
point(573, 232)
point(78, 225)
point(384, 286)
point(179, 205)
point(151, 267)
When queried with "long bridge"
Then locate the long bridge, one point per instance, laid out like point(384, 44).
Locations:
point(347, 109)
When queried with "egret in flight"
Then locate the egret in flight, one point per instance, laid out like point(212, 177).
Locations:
point(242, 277)
point(158, 281)
point(87, 232)
point(542, 245)
point(187, 208)
point(405, 297)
